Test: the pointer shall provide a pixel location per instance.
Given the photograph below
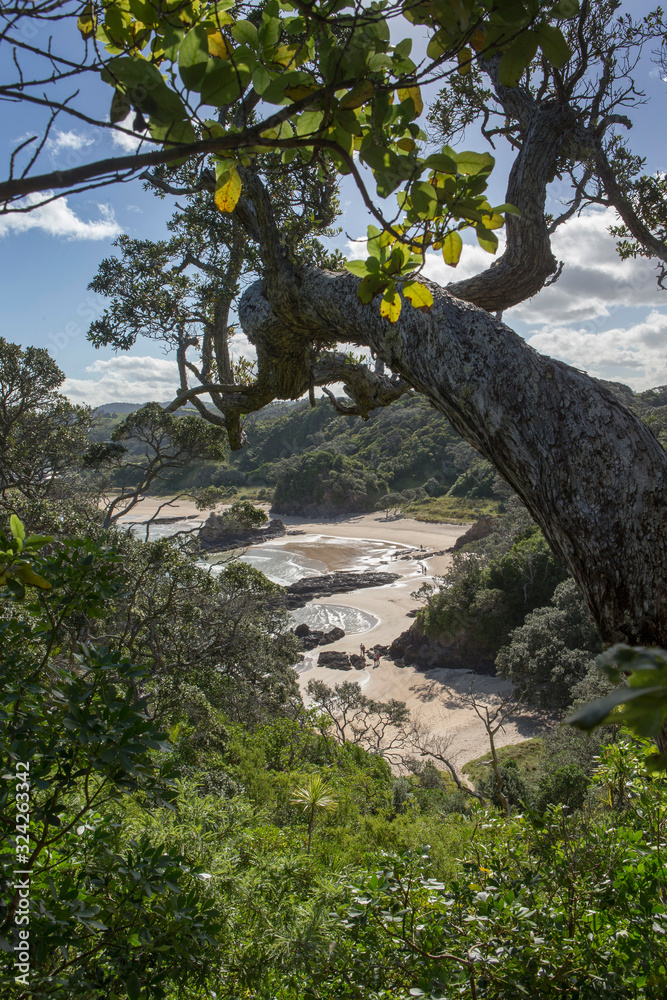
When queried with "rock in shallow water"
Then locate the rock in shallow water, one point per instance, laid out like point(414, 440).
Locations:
point(300, 593)
point(216, 536)
point(315, 637)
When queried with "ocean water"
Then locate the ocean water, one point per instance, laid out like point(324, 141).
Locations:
point(326, 616)
point(138, 528)
point(281, 565)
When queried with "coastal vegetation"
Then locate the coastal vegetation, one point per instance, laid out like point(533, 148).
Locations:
point(177, 822)
point(195, 830)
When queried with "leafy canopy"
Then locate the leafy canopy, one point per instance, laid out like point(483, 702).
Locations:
point(324, 82)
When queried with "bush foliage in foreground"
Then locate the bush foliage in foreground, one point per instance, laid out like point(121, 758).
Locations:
point(182, 863)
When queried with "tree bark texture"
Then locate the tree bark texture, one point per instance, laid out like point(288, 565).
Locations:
point(590, 472)
point(527, 260)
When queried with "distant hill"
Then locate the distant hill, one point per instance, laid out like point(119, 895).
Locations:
point(107, 409)
point(312, 457)
point(118, 407)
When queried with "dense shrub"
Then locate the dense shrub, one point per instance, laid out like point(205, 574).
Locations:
point(553, 650)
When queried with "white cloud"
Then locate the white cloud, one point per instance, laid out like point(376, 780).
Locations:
point(635, 355)
point(128, 378)
point(70, 141)
point(128, 143)
point(595, 280)
point(58, 219)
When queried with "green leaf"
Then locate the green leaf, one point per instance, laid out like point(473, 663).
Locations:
point(133, 986)
point(357, 267)
point(438, 45)
point(120, 107)
point(245, 33)
point(516, 58)
point(553, 45)
point(175, 133)
point(290, 86)
point(145, 88)
point(441, 163)
point(369, 287)
point(452, 248)
point(594, 714)
point(309, 122)
point(269, 31)
point(469, 162)
point(193, 57)
point(506, 209)
point(16, 528)
point(260, 79)
point(657, 762)
point(487, 239)
point(222, 84)
point(37, 542)
point(28, 576)
point(567, 8)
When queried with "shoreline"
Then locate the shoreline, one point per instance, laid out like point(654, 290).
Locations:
point(438, 697)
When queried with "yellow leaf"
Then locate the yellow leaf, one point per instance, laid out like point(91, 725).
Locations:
point(477, 40)
point(404, 93)
point(218, 46)
point(465, 61)
point(407, 144)
point(452, 246)
point(86, 25)
point(418, 294)
point(300, 91)
point(494, 221)
point(228, 191)
point(390, 307)
point(283, 55)
point(358, 96)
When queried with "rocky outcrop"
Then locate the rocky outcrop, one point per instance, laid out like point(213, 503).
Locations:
point(216, 536)
point(480, 529)
point(300, 593)
point(459, 652)
point(310, 638)
point(340, 661)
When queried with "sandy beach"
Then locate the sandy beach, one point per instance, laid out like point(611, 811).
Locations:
point(439, 698)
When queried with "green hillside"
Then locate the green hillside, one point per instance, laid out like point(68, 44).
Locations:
point(315, 460)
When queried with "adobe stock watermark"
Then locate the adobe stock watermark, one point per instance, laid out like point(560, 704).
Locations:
point(22, 874)
point(88, 309)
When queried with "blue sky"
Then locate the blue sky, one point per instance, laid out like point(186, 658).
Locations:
point(604, 316)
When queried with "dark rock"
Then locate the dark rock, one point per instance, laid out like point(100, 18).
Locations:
point(217, 536)
point(300, 593)
point(310, 638)
point(457, 652)
point(480, 529)
point(335, 660)
point(357, 661)
point(335, 634)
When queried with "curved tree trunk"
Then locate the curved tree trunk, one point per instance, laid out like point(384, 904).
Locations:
point(590, 472)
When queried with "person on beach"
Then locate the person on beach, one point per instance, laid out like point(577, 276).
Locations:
point(363, 650)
